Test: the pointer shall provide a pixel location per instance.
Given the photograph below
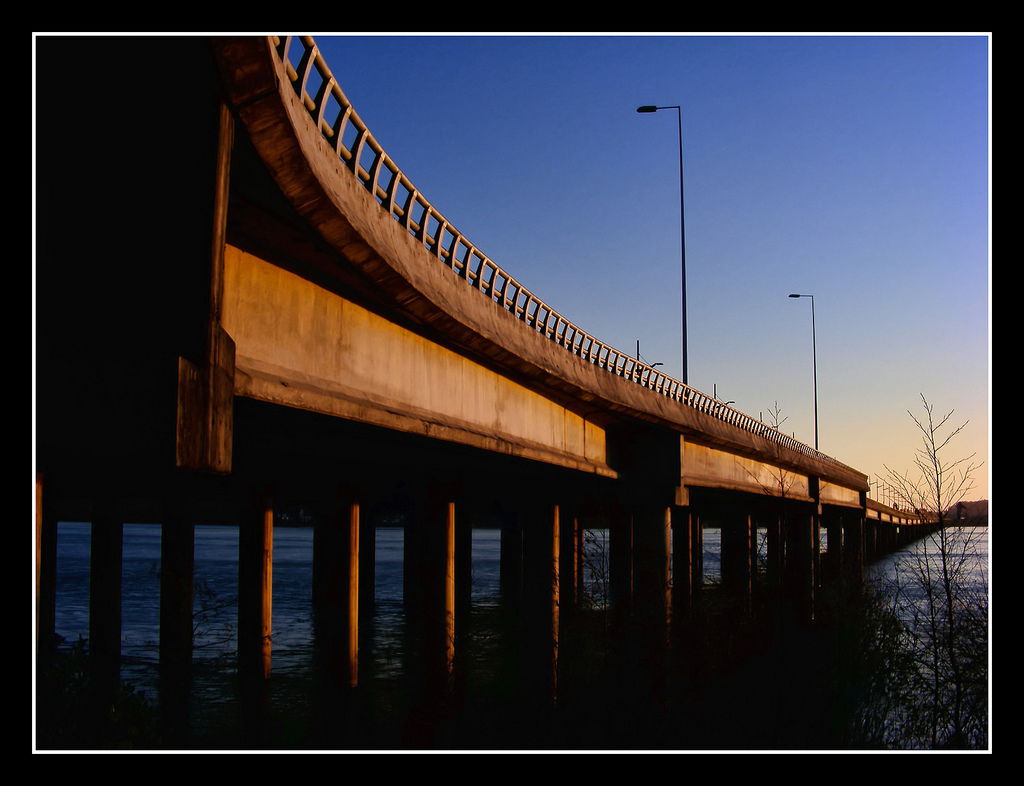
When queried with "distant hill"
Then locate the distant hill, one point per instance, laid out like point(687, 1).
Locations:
point(969, 511)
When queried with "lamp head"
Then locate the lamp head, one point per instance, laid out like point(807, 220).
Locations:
point(794, 295)
point(646, 109)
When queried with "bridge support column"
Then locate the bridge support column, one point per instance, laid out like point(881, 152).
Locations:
point(801, 560)
point(367, 568)
point(738, 555)
point(463, 583)
point(816, 545)
point(343, 586)
point(351, 586)
point(511, 561)
point(46, 570)
point(541, 601)
point(106, 537)
point(177, 563)
point(430, 573)
point(511, 564)
point(429, 557)
point(686, 564)
point(853, 541)
point(621, 564)
point(697, 549)
point(571, 556)
point(652, 528)
point(776, 537)
point(833, 562)
point(255, 592)
point(338, 587)
point(571, 647)
point(653, 600)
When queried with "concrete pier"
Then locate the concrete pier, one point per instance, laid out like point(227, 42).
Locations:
point(105, 598)
point(255, 590)
point(177, 562)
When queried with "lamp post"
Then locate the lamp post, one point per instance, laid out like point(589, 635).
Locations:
point(682, 230)
point(814, 366)
point(652, 365)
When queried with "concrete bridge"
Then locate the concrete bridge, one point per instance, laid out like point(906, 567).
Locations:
point(245, 305)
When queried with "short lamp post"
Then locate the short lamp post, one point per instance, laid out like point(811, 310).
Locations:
point(814, 366)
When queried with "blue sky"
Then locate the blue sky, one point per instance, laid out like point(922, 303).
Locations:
point(854, 168)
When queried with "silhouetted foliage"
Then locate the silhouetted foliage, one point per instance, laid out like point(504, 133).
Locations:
point(70, 716)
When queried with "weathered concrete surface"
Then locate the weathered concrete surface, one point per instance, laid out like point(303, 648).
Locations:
point(315, 181)
point(831, 494)
point(712, 468)
point(300, 345)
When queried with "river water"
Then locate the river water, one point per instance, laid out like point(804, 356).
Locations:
point(215, 607)
point(902, 575)
point(215, 601)
point(216, 591)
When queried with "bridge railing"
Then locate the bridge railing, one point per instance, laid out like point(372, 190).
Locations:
point(352, 142)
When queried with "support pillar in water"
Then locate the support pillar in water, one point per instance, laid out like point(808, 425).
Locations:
point(738, 555)
point(621, 564)
point(177, 563)
point(105, 597)
point(776, 544)
point(652, 532)
point(511, 563)
point(350, 523)
point(834, 555)
point(541, 600)
point(255, 590)
point(46, 570)
point(685, 559)
point(801, 559)
point(853, 545)
point(430, 569)
point(571, 560)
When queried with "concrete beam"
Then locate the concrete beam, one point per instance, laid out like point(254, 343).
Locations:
point(300, 345)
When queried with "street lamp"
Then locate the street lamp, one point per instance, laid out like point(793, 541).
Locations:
point(814, 366)
point(652, 365)
point(682, 232)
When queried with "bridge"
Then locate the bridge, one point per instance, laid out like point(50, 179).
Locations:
point(245, 305)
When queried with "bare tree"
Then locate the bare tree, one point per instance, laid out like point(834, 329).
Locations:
point(596, 570)
point(942, 603)
point(941, 482)
point(775, 419)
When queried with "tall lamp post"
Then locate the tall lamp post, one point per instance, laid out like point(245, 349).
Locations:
point(814, 366)
point(682, 230)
